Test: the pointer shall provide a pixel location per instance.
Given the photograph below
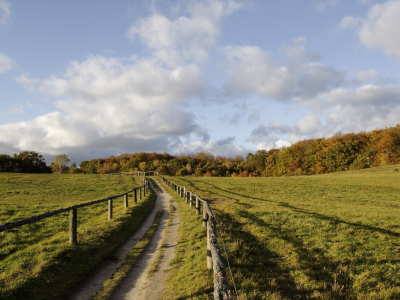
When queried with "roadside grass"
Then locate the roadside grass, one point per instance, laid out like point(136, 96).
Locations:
point(156, 261)
point(188, 277)
point(133, 255)
point(331, 236)
point(36, 260)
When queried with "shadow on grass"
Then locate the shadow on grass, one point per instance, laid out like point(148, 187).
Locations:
point(337, 220)
point(317, 267)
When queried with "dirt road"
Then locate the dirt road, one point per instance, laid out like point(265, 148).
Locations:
point(136, 285)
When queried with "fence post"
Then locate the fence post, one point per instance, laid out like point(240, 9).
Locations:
point(140, 193)
point(205, 215)
point(110, 209)
point(135, 193)
point(191, 199)
point(126, 200)
point(73, 226)
point(197, 205)
point(209, 256)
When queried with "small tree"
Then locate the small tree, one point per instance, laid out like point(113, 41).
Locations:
point(59, 164)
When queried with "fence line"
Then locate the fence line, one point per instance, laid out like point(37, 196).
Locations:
point(214, 258)
point(73, 216)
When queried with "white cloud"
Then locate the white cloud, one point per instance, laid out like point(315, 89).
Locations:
point(309, 124)
point(367, 75)
point(348, 22)
point(253, 71)
point(6, 63)
point(274, 145)
point(324, 5)
point(380, 28)
point(27, 82)
point(4, 11)
point(188, 37)
point(104, 99)
point(296, 50)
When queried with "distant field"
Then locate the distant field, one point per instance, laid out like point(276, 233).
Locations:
point(36, 260)
point(332, 236)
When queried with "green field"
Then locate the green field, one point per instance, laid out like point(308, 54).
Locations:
point(36, 260)
point(332, 236)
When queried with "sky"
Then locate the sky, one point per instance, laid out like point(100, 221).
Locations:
point(97, 78)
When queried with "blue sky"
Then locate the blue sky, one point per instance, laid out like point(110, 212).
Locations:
point(99, 78)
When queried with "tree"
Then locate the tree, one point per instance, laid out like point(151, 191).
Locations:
point(59, 164)
point(30, 162)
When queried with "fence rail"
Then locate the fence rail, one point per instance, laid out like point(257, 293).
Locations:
point(137, 192)
point(214, 258)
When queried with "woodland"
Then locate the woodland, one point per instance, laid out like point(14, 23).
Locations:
point(341, 152)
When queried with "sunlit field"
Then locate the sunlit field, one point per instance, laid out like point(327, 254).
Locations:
point(332, 236)
point(36, 260)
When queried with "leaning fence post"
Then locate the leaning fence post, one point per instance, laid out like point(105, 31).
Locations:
point(110, 209)
point(205, 215)
point(73, 226)
point(126, 200)
point(197, 205)
point(209, 256)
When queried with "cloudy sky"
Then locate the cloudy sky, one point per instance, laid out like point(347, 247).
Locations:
point(99, 78)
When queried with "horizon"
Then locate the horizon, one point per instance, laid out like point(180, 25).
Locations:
point(220, 76)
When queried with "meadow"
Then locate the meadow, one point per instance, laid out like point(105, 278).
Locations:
point(330, 236)
point(36, 260)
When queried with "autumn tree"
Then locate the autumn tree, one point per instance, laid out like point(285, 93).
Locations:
point(59, 164)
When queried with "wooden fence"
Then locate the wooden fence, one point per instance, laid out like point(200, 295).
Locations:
point(73, 211)
point(214, 259)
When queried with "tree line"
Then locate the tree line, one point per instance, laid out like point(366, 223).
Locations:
point(341, 152)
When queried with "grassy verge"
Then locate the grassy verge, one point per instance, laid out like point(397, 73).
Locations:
point(332, 236)
point(110, 285)
point(36, 260)
point(188, 276)
point(156, 261)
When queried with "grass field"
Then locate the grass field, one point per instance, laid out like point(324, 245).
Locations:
point(36, 260)
point(332, 236)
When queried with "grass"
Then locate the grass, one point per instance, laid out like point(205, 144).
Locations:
point(36, 260)
point(188, 277)
point(133, 255)
point(331, 236)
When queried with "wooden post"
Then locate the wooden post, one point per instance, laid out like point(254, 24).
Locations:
point(135, 193)
point(126, 200)
point(140, 193)
point(110, 209)
point(197, 205)
point(209, 256)
point(73, 226)
point(205, 215)
point(191, 199)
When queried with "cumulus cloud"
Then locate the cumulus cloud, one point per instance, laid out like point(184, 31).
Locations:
point(6, 63)
point(4, 11)
point(105, 99)
point(254, 71)
point(188, 37)
point(379, 28)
